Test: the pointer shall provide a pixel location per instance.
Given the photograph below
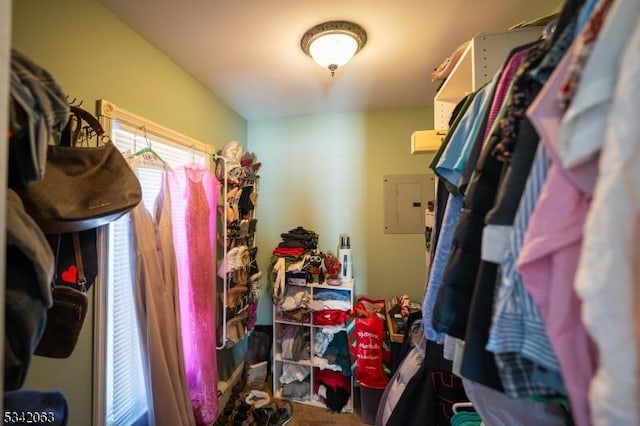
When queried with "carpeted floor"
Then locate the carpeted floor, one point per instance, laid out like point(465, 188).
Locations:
point(306, 415)
point(303, 414)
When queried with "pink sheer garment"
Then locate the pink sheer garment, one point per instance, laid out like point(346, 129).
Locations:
point(194, 192)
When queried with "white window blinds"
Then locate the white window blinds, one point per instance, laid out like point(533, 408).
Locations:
point(126, 399)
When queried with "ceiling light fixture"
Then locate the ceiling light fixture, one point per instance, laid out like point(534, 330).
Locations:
point(332, 44)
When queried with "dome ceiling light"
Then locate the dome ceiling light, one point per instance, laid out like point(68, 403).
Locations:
point(332, 44)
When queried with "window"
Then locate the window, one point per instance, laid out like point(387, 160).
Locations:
point(119, 356)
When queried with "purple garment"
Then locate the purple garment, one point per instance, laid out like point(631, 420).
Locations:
point(502, 88)
point(550, 252)
point(194, 191)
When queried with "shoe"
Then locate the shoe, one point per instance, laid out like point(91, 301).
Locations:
point(244, 419)
point(229, 262)
point(240, 277)
point(257, 399)
point(283, 415)
point(233, 229)
point(232, 205)
point(253, 223)
point(263, 415)
point(236, 176)
point(253, 261)
point(240, 405)
point(255, 286)
point(247, 158)
point(242, 258)
point(232, 151)
point(244, 228)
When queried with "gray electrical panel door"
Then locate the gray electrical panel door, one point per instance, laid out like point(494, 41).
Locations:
point(406, 197)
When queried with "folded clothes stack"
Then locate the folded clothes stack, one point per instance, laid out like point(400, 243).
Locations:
point(299, 237)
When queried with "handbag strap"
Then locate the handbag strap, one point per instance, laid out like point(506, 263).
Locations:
point(70, 135)
point(67, 138)
point(82, 279)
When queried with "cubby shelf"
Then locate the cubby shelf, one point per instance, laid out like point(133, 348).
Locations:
point(279, 361)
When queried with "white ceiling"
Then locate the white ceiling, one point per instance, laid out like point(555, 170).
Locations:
point(248, 51)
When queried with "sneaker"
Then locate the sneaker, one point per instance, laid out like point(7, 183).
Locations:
point(283, 415)
point(241, 405)
point(243, 419)
point(242, 413)
point(263, 415)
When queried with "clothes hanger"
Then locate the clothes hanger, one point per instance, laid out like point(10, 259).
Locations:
point(146, 157)
point(75, 133)
point(88, 118)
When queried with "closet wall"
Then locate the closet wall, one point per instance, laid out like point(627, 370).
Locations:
point(325, 172)
point(94, 55)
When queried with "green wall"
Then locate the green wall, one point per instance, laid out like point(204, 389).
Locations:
point(325, 173)
point(93, 55)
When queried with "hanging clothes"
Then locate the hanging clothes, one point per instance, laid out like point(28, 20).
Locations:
point(451, 309)
point(566, 275)
point(585, 121)
point(474, 138)
point(526, 362)
point(550, 253)
point(450, 149)
point(498, 409)
point(194, 192)
point(517, 323)
point(606, 277)
point(157, 308)
point(429, 394)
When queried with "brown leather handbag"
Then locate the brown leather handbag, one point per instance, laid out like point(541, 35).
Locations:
point(83, 187)
point(66, 317)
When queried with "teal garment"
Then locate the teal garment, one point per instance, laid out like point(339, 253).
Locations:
point(560, 400)
point(339, 348)
point(466, 418)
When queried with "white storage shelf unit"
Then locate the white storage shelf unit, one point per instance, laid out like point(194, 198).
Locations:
point(279, 361)
point(482, 58)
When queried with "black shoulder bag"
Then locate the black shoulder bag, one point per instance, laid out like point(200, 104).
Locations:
point(70, 303)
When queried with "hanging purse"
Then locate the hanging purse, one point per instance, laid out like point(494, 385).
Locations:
point(66, 262)
point(83, 187)
point(66, 317)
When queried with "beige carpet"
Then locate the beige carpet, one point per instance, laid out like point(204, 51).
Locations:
point(307, 415)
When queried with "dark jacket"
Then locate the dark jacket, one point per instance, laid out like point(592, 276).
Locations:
point(428, 398)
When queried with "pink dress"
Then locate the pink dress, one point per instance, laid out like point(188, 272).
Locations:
point(194, 191)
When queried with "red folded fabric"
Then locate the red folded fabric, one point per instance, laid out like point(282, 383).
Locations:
point(288, 251)
point(330, 317)
point(331, 379)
